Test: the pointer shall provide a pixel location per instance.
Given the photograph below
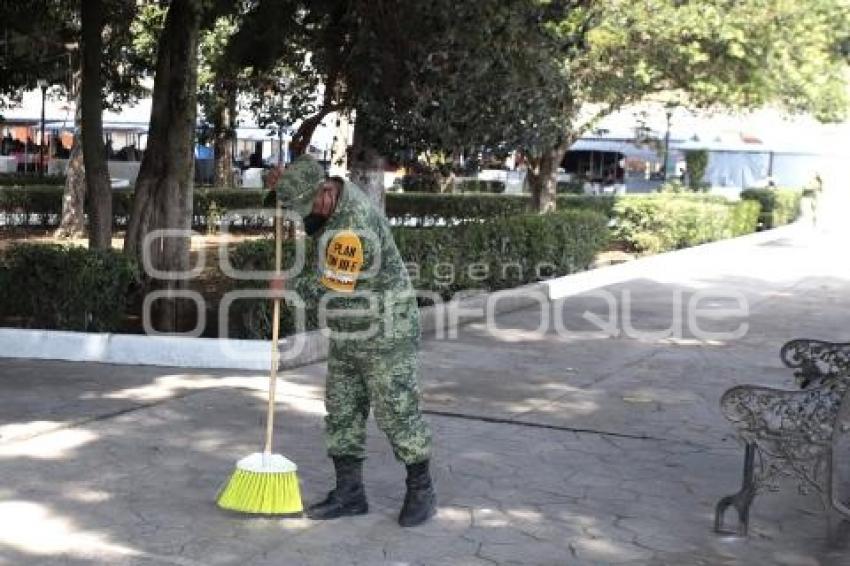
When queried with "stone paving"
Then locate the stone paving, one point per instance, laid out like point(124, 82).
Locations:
point(552, 447)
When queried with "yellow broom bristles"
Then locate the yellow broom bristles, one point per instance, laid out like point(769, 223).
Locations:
point(262, 492)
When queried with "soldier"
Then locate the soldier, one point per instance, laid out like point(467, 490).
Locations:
point(362, 285)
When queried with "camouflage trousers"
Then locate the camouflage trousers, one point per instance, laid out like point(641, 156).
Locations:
point(382, 376)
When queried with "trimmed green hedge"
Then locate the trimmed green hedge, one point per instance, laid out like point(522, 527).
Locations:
point(497, 254)
point(652, 225)
point(476, 186)
point(502, 253)
point(427, 209)
point(409, 209)
point(570, 187)
point(778, 206)
point(41, 201)
point(19, 180)
point(251, 318)
point(65, 287)
point(20, 204)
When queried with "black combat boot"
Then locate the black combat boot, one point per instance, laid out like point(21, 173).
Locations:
point(348, 497)
point(420, 501)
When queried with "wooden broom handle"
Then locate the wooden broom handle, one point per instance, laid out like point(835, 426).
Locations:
point(275, 354)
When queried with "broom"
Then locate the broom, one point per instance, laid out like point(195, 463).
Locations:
point(265, 483)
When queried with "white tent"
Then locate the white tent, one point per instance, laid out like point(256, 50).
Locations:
point(623, 147)
point(737, 165)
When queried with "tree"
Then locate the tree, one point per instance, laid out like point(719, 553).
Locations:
point(421, 77)
point(217, 94)
point(163, 196)
point(741, 54)
point(697, 163)
point(537, 74)
point(295, 68)
point(42, 41)
point(98, 187)
point(262, 55)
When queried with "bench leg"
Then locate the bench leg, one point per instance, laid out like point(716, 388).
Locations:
point(837, 512)
point(742, 500)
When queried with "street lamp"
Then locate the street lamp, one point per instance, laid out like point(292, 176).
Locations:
point(42, 84)
point(667, 145)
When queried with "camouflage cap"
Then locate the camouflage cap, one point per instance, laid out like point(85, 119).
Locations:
point(298, 184)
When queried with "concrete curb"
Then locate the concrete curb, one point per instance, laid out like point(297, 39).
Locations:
point(437, 321)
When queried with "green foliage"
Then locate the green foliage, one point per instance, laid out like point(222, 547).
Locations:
point(418, 209)
point(744, 217)
point(739, 54)
point(660, 223)
point(45, 202)
point(569, 188)
point(18, 180)
point(41, 41)
point(23, 202)
point(498, 254)
point(225, 200)
point(408, 209)
point(66, 288)
point(697, 163)
point(477, 186)
point(252, 318)
point(451, 83)
point(523, 74)
point(778, 206)
point(502, 252)
point(421, 182)
point(429, 209)
point(676, 187)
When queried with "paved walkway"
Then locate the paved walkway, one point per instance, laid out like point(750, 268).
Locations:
point(554, 447)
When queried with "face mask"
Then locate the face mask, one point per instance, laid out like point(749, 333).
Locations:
point(313, 223)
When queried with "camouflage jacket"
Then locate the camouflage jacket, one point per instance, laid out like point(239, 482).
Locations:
point(359, 273)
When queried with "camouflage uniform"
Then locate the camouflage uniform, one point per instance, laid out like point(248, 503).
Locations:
point(356, 257)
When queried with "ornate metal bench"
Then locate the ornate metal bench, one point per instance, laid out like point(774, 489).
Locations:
point(803, 433)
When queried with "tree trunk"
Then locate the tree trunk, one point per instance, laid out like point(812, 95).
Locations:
point(163, 197)
point(301, 139)
point(224, 122)
point(542, 178)
point(98, 188)
point(73, 221)
point(367, 167)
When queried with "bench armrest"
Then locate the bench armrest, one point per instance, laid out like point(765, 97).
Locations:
point(816, 361)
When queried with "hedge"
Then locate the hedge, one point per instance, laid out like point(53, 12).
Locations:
point(422, 209)
point(498, 254)
point(478, 186)
point(65, 287)
point(43, 204)
point(652, 225)
point(778, 206)
point(19, 204)
point(502, 253)
point(426, 209)
point(19, 180)
point(570, 187)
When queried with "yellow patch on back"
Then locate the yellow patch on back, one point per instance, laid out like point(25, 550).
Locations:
point(343, 262)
